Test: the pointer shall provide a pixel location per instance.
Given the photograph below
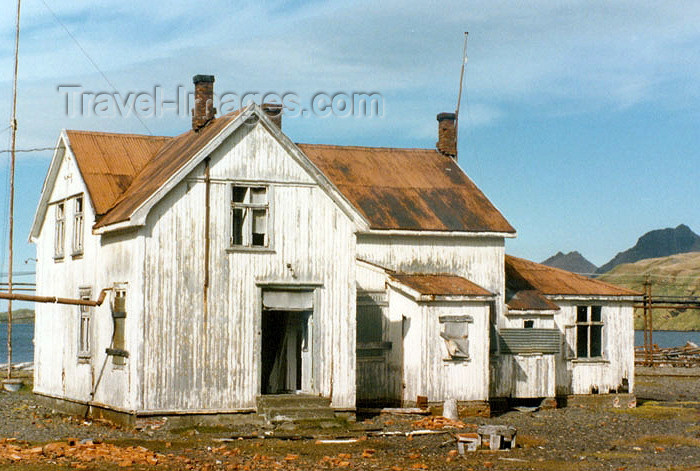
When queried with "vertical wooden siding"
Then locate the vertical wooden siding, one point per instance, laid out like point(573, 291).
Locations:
point(193, 364)
point(104, 261)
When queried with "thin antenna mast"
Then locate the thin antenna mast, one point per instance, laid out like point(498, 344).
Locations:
point(461, 79)
point(13, 125)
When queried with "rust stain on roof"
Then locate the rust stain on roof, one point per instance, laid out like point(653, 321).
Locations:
point(158, 170)
point(407, 189)
point(440, 284)
point(109, 162)
point(530, 300)
point(523, 274)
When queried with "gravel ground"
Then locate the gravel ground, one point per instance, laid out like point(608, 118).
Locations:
point(662, 433)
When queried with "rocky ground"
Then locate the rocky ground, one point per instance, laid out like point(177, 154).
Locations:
point(662, 433)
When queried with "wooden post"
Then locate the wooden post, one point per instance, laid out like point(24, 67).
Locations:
point(13, 125)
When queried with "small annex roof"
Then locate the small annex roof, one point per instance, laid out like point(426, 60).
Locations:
point(523, 274)
point(529, 300)
point(407, 189)
point(440, 284)
point(109, 162)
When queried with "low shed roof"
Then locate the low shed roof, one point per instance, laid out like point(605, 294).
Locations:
point(523, 274)
point(440, 285)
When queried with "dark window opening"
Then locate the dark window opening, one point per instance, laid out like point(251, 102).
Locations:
point(249, 216)
point(589, 332)
point(529, 324)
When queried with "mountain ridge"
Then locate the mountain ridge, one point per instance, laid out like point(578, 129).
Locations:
point(572, 261)
point(655, 244)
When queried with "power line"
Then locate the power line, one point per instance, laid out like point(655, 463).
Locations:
point(94, 64)
point(35, 149)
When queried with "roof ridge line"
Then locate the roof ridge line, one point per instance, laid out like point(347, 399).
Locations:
point(413, 149)
point(119, 134)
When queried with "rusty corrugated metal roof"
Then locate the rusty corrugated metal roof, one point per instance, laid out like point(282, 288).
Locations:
point(407, 189)
point(440, 284)
point(109, 162)
point(523, 274)
point(171, 157)
point(530, 300)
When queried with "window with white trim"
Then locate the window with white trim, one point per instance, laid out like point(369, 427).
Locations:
point(60, 231)
point(589, 332)
point(78, 226)
point(250, 212)
point(85, 333)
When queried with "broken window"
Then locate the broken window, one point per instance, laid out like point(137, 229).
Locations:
point(78, 226)
point(528, 324)
point(84, 343)
point(249, 216)
point(455, 332)
point(589, 332)
point(118, 350)
point(60, 229)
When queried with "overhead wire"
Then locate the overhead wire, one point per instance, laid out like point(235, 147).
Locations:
point(94, 64)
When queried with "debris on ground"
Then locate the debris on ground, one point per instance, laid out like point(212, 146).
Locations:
point(437, 422)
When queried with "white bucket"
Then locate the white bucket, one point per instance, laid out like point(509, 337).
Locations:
point(12, 385)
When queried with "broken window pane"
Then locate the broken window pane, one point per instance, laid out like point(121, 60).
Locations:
point(239, 193)
point(455, 333)
point(237, 229)
point(249, 216)
point(259, 227)
point(258, 196)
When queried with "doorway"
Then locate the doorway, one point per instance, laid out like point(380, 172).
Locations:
point(284, 351)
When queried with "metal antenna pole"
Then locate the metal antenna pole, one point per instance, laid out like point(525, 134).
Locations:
point(461, 79)
point(13, 125)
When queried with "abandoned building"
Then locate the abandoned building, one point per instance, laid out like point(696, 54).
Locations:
point(241, 264)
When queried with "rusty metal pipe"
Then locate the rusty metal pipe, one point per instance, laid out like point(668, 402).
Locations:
point(56, 300)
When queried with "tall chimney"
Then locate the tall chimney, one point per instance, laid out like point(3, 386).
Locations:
point(203, 110)
point(274, 112)
point(447, 134)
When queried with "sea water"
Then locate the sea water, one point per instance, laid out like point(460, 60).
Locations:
point(22, 342)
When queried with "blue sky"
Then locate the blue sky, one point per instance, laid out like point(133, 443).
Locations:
point(579, 120)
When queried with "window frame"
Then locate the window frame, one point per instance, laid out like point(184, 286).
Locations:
point(78, 225)
point(59, 230)
point(117, 348)
point(455, 351)
point(247, 225)
point(589, 324)
point(85, 315)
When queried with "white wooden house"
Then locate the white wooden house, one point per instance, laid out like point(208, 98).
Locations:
point(242, 264)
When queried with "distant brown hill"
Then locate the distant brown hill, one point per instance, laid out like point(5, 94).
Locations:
point(572, 261)
point(675, 275)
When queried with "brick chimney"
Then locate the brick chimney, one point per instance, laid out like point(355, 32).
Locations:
point(447, 134)
point(274, 112)
point(203, 110)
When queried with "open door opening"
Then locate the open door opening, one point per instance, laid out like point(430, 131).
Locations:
point(285, 347)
